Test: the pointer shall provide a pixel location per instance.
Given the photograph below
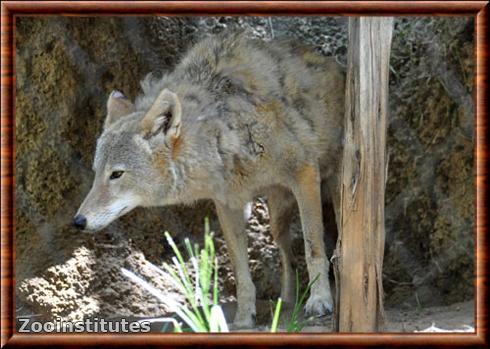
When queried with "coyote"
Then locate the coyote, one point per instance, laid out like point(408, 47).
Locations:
point(237, 118)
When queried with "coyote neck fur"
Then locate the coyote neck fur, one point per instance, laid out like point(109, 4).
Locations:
point(204, 156)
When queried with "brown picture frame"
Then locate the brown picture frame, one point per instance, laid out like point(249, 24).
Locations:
point(11, 9)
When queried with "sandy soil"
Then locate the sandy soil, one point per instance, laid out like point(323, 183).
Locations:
point(455, 317)
point(458, 317)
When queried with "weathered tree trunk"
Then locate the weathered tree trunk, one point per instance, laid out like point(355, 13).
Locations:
point(358, 258)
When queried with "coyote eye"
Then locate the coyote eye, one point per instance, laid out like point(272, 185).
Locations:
point(116, 174)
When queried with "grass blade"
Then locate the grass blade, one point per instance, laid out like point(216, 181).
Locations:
point(277, 312)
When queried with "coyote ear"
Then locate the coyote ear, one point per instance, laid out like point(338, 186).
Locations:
point(164, 116)
point(118, 105)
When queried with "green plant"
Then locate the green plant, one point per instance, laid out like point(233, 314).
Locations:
point(204, 314)
point(199, 285)
point(294, 324)
point(275, 318)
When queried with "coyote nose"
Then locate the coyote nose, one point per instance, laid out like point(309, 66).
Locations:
point(80, 221)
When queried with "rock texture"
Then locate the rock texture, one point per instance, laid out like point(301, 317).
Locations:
point(65, 69)
point(430, 190)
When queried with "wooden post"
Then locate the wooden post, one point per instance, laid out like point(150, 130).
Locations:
point(358, 258)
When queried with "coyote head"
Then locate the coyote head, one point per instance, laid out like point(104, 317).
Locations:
point(132, 160)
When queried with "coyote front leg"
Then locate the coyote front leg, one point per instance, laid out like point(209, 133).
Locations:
point(307, 191)
point(232, 225)
point(279, 201)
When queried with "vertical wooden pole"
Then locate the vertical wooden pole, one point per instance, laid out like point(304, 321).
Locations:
point(358, 258)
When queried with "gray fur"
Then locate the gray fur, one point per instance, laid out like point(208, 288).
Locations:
point(256, 119)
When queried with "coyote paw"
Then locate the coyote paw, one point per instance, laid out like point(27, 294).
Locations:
point(318, 305)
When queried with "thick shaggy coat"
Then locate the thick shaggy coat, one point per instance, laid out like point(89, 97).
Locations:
point(236, 118)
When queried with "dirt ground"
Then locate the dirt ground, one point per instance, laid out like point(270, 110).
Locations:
point(457, 317)
point(66, 292)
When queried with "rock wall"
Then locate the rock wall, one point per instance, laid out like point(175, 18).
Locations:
point(430, 190)
point(67, 66)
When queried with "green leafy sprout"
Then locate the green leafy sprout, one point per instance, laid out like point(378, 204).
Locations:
point(198, 283)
